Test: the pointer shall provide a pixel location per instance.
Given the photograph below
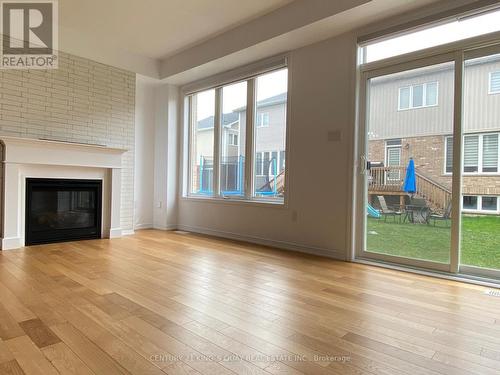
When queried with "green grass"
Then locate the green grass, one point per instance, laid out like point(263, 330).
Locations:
point(480, 240)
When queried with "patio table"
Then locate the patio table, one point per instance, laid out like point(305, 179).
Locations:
point(416, 214)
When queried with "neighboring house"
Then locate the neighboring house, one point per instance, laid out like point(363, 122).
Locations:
point(270, 127)
point(411, 116)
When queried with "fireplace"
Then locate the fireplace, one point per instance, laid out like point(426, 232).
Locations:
point(59, 210)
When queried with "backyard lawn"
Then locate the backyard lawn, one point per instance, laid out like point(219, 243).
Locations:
point(480, 240)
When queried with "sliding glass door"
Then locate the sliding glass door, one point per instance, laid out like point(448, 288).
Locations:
point(480, 206)
point(408, 176)
point(429, 171)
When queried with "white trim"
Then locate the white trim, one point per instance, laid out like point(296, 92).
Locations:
point(256, 201)
point(251, 129)
point(128, 232)
point(143, 226)
point(283, 245)
point(240, 74)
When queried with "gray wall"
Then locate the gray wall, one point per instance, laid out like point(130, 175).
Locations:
point(482, 110)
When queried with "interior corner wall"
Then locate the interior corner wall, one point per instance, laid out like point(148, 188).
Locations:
point(144, 146)
point(165, 157)
point(317, 218)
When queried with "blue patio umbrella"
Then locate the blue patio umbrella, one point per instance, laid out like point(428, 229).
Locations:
point(410, 185)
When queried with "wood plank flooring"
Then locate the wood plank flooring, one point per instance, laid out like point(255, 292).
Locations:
point(175, 303)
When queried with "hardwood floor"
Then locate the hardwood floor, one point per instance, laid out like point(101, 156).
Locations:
point(165, 302)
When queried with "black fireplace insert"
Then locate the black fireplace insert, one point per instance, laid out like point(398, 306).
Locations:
point(59, 210)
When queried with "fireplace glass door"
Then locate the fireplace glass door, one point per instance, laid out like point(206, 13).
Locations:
point(62, 210)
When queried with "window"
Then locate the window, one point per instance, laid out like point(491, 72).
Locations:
point(263, 120)
point(218, 121)
point(471, 154)
point(202, 142)
point(470, 202)
point(481, 153)
point(457, 29)
point(490, 153)
point(482, 204)
point(232, 158)
point(271, 98)
point(495, 83)
point(418, 96)
point(449, 155)
point(489, 203)
point(233, 139)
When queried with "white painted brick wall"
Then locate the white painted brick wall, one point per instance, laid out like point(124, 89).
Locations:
point(82, 101)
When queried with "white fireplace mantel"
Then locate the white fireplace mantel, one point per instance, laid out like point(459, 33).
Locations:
point(24, 158)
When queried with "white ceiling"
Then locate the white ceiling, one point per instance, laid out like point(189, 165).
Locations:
point(177, 38)
point(158, 28)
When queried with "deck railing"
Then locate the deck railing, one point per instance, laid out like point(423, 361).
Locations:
point(391, 180)
point(386, 178)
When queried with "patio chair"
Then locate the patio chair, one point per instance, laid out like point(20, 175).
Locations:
point(386, 211)
point(445, 216)
point(418, 212)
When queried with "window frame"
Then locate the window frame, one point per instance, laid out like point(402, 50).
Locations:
point(479, 209)
point(480, 165)
point(424, 96)
point(261, 123)
point(249, 196)
point(490, 91)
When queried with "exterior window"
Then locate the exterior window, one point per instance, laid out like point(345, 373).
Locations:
point(418, 96)
point(263, 120)
point(481, 153)
point(471, 153)
point(233, 139)
point(495, 83)
point(449, 155)
point(431, 94)
point(271, 98)
point(218, 122)
point(488, 203)
point(202, 142)
point(404, 97)
point(470, 202)
point(483, 204)
point(490, 153)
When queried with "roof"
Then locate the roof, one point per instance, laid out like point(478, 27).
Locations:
point(231, 117)
point(227, 118)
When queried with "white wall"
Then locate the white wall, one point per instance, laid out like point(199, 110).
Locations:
point(156, 148)
point(145, 103)
point(317, 218)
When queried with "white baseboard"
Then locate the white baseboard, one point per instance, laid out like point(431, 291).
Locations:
point(127, 232)
point(284, 245)
point(166, 227)
point(143, 226)
point(115, 232)
point(11, 243)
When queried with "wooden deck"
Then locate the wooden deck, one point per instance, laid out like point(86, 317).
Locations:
point(168, 303)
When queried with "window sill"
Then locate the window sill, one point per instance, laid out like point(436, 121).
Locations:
point(277, 203)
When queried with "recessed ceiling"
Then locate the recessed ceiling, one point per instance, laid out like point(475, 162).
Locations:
point(158, 28)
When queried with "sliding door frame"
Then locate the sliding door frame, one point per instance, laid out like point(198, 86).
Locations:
point(457, 53)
